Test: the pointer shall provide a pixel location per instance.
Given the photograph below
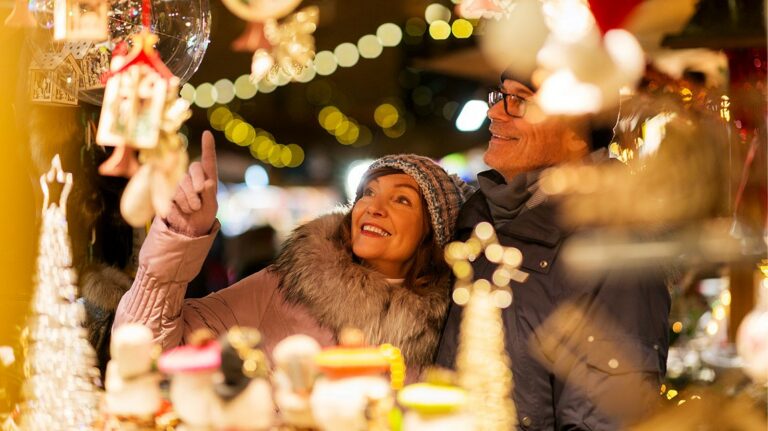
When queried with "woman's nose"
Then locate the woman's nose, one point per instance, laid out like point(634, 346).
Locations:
point(376, 209)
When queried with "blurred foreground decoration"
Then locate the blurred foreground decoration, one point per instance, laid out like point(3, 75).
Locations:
point(482, 362)
point(60, 369)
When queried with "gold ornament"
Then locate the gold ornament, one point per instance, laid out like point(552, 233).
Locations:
point(482, 363)
point(290, 46)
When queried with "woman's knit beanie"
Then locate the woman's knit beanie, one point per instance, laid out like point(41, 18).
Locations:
point(443, 193)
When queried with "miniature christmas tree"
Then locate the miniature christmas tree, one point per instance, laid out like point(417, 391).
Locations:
point(482, 363)
point(60, 389)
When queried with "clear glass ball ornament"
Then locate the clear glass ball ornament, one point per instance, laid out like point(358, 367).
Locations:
point(182, 26)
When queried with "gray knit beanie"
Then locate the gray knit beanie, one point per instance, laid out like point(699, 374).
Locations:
point(443, 193)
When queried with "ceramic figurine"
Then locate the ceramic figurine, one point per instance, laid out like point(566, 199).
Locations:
point(243, 390)
point(435, 405)
point(132, 387)
point(353, 394)
point(192, 369)
point(294, 378)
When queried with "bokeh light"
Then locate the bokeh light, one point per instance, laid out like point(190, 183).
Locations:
point(225, 91)
point(386, 115)
point(462, 29)
point(256, 177)
point(188, 92)
point(205, 95)
point(369, 46)
point(244, 88)
point(439, 30)
point(389, 34)
point(437, 12)
point(219, 117)
point(325, 63)
point(347, 54)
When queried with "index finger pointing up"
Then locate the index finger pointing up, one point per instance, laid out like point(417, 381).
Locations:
point(208, 157)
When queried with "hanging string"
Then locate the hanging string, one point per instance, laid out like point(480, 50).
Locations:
point(146, 14)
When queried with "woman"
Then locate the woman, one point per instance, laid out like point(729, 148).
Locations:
point(378, 267)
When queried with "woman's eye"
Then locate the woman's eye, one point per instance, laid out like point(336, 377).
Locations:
point(368, 191)
point(403, 200)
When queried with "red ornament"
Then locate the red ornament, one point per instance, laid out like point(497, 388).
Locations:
point(610, 14)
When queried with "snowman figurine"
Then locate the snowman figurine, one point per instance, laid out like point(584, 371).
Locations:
point(243, 391)
point(192, 368)
point(353, 394)
point(132, 387)
point(435, 405)
point(294, 377)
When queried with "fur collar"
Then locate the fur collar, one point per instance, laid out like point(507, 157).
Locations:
point(316, 273)
point(103, 286)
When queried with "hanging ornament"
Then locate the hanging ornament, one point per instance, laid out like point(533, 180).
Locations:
point(142, 112)
point(290, 46)
point(482, 362)
point(54, 78)
point(60, 373)
point(80, 20)
point(611, 14)
point(20, 16)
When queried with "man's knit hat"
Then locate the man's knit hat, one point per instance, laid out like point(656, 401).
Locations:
point(443, 193)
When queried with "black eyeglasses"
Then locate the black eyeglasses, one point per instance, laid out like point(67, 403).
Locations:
point(514, 105)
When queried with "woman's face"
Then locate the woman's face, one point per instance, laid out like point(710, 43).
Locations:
point(388, 224)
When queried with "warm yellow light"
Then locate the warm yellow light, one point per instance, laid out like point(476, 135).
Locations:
point(333, 120)
point(230, 127)
point(297, 155)
point(677, 327)
point(712, 327)
point(275, 156)
point(342, 128)
point(205, 95)
point(244, 88)
point(437, 12)
point(325, 63)
point(462, 29)
point(350, 136)
point(225, 91)
point(494, 253)
point(389, 34)
point(725, 297)
point(220, 116)
point(322, 117)
point(347, 54)
point(686, 94)
point(718, 312)
point(188, 92)
point(502, 298)
point(386, 115)
point(671, 394)
point(307, 74)
point(439, 30)
point(286, 156)
point(369, 46)
point(240, 133)
point(461, 295)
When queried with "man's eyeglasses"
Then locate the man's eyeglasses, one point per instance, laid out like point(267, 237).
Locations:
point(514, 105)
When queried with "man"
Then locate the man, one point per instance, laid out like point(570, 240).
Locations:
point(586, 353)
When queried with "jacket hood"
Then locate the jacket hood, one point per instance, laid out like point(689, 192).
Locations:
point(322, 276)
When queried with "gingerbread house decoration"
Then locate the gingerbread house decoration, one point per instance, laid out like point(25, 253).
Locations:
point(93, 60)
point(54, 78)
point(80, 20)
point(137, 89)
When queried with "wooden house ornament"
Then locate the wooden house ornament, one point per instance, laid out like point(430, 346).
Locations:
point(137, 89)
point(80, 20)
point(54, 78)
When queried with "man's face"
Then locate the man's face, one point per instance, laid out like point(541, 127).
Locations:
point(521, 144)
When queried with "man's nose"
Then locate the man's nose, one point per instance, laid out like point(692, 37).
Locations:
point(497, 113)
